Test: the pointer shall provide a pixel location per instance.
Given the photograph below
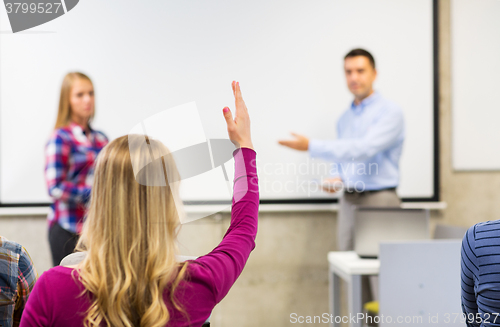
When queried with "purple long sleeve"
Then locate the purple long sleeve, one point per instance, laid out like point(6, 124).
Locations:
point(55, 299)
point(227, 260)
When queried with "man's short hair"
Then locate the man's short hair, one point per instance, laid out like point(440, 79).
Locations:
point(361, 52)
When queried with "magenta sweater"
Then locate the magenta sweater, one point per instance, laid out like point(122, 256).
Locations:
point(54, 300)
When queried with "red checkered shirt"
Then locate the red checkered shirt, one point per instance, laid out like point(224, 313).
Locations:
point(69, 172)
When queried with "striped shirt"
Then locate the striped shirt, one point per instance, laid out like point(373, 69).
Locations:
point(481, 274)
point(69, 172)
point(17, 278)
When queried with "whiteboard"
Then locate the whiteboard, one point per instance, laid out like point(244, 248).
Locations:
point(475, 45)
point(145, 58)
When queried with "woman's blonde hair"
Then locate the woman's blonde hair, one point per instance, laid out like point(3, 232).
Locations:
point(130, 235)
point(64, 111)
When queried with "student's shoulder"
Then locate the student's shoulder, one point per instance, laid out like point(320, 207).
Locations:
point(489, 229)
point(25, 263)
point(486, 226)
point(57, 273)
point(11, 246)
point(59, 277)
point(57, 286)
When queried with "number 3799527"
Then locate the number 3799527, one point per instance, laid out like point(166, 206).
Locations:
point(41, 8)
point(477, 318)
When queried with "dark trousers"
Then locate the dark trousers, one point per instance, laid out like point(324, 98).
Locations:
point(62, 243)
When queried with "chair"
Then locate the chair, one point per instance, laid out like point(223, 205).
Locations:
point(420, 282)
point(441, 232)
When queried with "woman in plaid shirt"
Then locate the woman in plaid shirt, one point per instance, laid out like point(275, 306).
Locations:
point(70, 154)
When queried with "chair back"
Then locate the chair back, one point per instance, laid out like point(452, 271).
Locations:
point(420, 282)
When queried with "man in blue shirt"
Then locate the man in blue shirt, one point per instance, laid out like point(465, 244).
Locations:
point(365, 155)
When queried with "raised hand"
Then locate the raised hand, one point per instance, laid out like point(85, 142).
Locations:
point(239, 127)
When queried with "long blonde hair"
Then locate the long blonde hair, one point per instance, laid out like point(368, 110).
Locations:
point(130, 236)
point(64, 111)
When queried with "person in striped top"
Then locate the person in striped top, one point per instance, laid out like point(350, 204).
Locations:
point(70, 154)
point(17, 279)
point(481, 274)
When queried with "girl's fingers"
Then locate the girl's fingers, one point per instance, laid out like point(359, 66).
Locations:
point(238, 92)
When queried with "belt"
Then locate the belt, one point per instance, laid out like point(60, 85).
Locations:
point(369, 191)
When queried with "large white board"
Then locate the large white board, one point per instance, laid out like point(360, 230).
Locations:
point(146, 57)
point(475, 45)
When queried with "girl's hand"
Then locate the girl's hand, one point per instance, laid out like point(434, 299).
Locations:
point(239, 127)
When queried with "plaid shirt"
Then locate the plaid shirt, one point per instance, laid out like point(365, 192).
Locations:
point(17, 278)
point(69, 172)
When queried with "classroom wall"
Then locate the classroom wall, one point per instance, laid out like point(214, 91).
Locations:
point(471, 196)
point(287, 272)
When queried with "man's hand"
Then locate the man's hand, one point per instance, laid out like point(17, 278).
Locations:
point(332, 185)
point(300, 142)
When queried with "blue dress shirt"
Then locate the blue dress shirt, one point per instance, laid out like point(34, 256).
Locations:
point(369, 142)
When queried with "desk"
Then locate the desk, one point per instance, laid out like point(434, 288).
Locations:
point(350, 267)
